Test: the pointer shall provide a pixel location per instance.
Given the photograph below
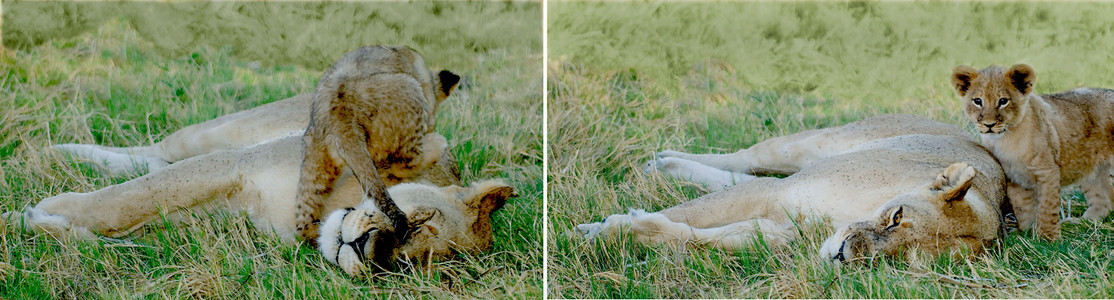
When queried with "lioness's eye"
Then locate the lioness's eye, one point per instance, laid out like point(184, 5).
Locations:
point(896, 218)
point(977, 101)
point(1003, 101)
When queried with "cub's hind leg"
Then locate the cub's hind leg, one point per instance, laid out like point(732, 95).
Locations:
point(1097, 189)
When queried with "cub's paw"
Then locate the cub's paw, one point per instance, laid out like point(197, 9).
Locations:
point(1049, 231)
point(1096, 214)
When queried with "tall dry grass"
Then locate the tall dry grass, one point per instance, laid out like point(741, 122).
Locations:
point(108, 85)
point(627, 80)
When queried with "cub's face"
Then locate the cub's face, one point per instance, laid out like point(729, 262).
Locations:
point(933, 219)
point(993, 98)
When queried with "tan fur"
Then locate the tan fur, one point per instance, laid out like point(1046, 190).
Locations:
point(446, 220)
point(260, 180)
point(373, 113)
point(1043, 141)
point(859, 175)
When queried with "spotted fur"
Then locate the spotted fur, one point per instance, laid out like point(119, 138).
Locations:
point(1043, 141)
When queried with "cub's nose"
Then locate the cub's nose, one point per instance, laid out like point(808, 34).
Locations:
point(989, 125)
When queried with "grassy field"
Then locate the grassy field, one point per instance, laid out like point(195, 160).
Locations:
point(627, 80)
point(108, 84)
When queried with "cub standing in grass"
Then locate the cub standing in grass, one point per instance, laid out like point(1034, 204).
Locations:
point(1043, 141)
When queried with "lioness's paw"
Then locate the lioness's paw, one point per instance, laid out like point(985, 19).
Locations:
point(666, 165)
point(609, 224)
point(669, 153)
point(37, 220)
point(347, 237)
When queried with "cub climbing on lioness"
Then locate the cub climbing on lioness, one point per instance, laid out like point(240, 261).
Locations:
point(1043, 141)
point(373, 113)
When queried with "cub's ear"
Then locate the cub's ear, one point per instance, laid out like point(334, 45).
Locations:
point(1022, 77)
point(962, 77)
point(446, 82)
point(420, 215)
point(953, 184)
point(489, 196)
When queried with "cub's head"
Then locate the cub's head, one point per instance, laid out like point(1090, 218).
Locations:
point(994, 98)
point(940, 216)
point(370, 60)
point(444, 220)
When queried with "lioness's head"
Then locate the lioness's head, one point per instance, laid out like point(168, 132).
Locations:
point(444, 220)
point(935, 218)
point(994, 98)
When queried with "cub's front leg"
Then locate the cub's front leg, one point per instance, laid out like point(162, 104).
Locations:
point(1048, 202)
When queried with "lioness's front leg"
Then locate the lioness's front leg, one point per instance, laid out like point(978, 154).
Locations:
point(761, 198)
point(119, 209)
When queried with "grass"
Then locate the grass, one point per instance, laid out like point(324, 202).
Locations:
point(108, 84)
point(627, 80)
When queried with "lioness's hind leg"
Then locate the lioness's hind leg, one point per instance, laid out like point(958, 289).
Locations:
point(659, 229)
point(712, 178)
point(1097, 189)
point(780, 155)
point(116, 161)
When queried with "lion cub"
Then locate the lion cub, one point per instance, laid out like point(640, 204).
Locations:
point(373, 113)
point(1043, 141)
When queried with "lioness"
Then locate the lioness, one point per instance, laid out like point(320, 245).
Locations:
point(1043, 141)
point(249, 162)
point(888, 183)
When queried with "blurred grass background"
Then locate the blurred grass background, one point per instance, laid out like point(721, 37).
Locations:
point(627, 80)
point(128, 74)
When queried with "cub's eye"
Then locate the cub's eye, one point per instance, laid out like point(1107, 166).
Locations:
point(977, 101)
point(1003, 101)
point(896, 217)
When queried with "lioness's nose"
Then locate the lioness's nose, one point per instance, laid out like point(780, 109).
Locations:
point(989, 125)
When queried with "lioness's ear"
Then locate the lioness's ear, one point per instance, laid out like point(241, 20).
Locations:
point(953, 184)
point(489, 196)
point(962, 77)
point(446, 82)
point(1022, 76)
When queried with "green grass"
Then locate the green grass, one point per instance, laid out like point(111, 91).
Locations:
point(627, 80)
point(108, 84)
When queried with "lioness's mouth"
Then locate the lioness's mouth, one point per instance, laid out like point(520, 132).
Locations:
point(839, 254)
